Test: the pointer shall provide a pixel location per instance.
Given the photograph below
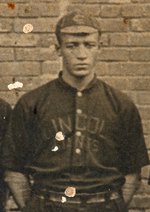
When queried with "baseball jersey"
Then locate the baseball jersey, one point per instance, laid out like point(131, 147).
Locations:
point(88, 139)
point(5, 112)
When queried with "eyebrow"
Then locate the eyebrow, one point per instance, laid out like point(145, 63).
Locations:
point(75, 42)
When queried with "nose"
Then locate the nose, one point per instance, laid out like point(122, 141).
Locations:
point(81, 53)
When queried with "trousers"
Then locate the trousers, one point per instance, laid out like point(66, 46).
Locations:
point(35, 204)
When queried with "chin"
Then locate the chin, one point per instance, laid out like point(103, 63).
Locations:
point(81, 73)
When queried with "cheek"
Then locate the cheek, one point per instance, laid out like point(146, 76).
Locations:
point(93, 57)
point(68, 58)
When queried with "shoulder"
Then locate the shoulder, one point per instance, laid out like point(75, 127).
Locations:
point(5, 114)
point(120, 101)
point(4, 106)
point(37, 95)
point(4, 103)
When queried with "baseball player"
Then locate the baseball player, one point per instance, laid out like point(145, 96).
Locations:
point(78, 139)
point(5, 112)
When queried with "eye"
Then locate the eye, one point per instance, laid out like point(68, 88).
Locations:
point(90, 45)
point(71, 45)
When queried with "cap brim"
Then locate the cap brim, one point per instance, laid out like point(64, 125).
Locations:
point(79, 29)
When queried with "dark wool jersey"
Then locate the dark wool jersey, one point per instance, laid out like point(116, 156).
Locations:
point(5, 112)
point(103, 138)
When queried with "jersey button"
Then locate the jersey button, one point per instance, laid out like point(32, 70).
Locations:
point(78, 151)
point(79, 111)
point(78, 133)
point(79, 93)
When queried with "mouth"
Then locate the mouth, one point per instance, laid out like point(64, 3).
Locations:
point(81, 65)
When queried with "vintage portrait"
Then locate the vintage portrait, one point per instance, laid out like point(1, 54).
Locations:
point(74, 105)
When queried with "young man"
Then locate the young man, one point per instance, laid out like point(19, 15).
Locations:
point(5, 112)
point(77, 137)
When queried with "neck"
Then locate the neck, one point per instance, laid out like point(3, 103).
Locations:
point(80, 83)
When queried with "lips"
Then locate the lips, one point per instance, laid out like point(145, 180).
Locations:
point(81, 65)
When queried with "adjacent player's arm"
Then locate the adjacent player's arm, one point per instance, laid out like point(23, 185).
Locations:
point(131, 186)
point(19, 186)
point(133, 152)
point(14, 154)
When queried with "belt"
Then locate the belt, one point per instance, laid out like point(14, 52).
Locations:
point(79, 199)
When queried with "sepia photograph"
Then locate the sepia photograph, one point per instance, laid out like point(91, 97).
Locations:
point(75, 105)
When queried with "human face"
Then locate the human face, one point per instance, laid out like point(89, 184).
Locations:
point(79, 53)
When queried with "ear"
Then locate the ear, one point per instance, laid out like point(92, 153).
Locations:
point(58, 49)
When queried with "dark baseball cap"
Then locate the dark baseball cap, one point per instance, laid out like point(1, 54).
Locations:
point(77, 22)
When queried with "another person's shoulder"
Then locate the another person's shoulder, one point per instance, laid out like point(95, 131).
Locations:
point(119, 99)
point(4, 106)
point(4, 103)
point(5, 114)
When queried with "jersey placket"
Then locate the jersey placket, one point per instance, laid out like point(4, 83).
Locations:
point(78, 150)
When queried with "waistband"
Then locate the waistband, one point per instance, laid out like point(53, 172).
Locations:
point(78, 199)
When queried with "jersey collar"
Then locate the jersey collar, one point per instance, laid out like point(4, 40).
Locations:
point(64, 84)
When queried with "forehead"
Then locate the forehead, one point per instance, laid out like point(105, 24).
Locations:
point(79, 37)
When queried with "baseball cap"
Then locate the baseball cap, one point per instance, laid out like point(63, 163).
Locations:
point(77, 22)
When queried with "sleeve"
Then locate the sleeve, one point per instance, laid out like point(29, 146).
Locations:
point(133, 152)
point(14, 148)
